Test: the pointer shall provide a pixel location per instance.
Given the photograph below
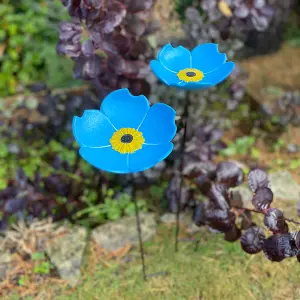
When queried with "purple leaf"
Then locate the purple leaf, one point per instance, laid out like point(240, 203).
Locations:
point(135, 69)
point(70, 26)
point(203, 184)
point(257, 179)
point(95, 4)
point(91, 67)
point(172, 193)
point(87, 48)
point(296, 237)
point(267, 11)
point(134, 6)
point(57, 184)
point(221, 220)
point(233, 235)
point(135, 25)
point(115, 13)
point(219, 196)
point(138, 48)
point(72, 50)
point(13, 205)
point(252, 240)
point(152, 27)
point(229, 173)
point(274, 221)
point(258, 4)
point(123, 43)
point(66, 35)
point(21, 178)
point(242, 11)
point(261, 23)
point(208, 4)
point(199, 214)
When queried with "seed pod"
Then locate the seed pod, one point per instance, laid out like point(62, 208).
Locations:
point(262, 199)
point(295, 236)
point(274, 220)
point(258, 179)
point(232, 235)
point(253, 239)
point(279, 246)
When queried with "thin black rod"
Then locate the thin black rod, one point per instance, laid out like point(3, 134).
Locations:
point(139, 230)
point(185, 117)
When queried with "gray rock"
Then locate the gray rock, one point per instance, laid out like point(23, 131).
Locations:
point(66, 253)
point(241, 196)
point(284, 186)
point(185, 219)
point(114, 235)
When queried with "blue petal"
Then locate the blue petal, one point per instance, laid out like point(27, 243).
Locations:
point(206, 57)
point(106, 159)
point(92, 129)
point(175, 59)
point(165, 75)
point(124, 110)
point(211, 79)
point(148, 156)
point(159, 125)
point(218, 75)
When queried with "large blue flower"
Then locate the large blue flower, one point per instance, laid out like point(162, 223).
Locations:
point(201, 68)
point(126, 135)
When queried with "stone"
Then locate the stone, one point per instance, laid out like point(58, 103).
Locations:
point(284, 186)
point(266, 87)
point(241, 196)
point(66, 253)
point(115, 235)
point(185, 219)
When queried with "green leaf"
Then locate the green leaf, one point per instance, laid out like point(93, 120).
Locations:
point(114, 214)
point(12, 29)
point(38, 256)
point(3, 150)
point(130, 209)
point(31, 103)
point(274, 90)
point(255, 153)
point(42, 268)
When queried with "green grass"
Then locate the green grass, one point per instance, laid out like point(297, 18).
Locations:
point(217, 270)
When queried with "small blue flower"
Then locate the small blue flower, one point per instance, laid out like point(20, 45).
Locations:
point(201, 68)
point(126, 135)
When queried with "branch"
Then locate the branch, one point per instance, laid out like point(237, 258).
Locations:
point(260, 212)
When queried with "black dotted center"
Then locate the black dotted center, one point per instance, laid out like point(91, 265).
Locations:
point(126, 138)
point(190, 74)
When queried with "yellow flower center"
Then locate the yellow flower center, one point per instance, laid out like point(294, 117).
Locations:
point(190, 75)
point(127, 140)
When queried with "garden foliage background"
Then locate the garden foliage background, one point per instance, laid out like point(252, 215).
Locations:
point(51, 71)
